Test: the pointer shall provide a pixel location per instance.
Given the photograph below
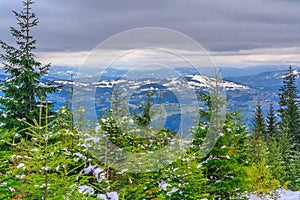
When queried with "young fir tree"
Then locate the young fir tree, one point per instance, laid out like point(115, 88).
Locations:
point(275, 159)
point(272, 124)
point(258, 149)
point(259, 127)
point(224, 165)
point(289, 109)
point(23, 89)
point(47, 166)
point(144, 119)
point(261, 179)
point(118, 104)
point(290, 160)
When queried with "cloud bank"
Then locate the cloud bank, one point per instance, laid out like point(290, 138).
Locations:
point(236, 32)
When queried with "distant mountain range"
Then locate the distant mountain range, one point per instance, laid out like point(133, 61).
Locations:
point(253, 70)
point(270, 81)
point(244, 86)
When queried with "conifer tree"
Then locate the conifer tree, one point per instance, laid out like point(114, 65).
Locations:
point(118, 104)
point(259, 128)
point(272, 124)
point(257, 145)
point(144, 119)
point(275, 157)
point(224, 164)
point(290, 127)
point(23, 90)
point(289, 109)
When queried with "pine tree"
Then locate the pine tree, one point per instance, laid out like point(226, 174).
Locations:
point(289, 109)
point(272, 124)
point(23, 90)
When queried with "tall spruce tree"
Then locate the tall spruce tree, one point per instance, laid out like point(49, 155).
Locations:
point(289, 109)
point(23, 90)
point(290, 127)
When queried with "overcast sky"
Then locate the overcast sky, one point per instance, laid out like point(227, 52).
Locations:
point(235, 32)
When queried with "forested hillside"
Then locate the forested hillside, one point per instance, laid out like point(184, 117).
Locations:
point(48, 154)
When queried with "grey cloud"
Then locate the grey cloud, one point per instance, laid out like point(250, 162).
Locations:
point(219, 25)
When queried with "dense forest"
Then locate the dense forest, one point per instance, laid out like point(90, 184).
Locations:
point(45, 153)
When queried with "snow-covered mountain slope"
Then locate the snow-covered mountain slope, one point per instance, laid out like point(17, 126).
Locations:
point(192, 82)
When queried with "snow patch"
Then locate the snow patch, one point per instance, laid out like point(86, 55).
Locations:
point(84, 189)
point(283, 195)
point(163, 185)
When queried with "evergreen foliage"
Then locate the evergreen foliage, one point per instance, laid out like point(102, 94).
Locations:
point(45, 167)
point(257, 147)
point(259, 127)
point(144, 119)
point(56, 161)
point(278, 148)
point(23, 90)
point(289, 108)
point(272, 124)
point(225, 165)
point(261, 180)
point(290, 127)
